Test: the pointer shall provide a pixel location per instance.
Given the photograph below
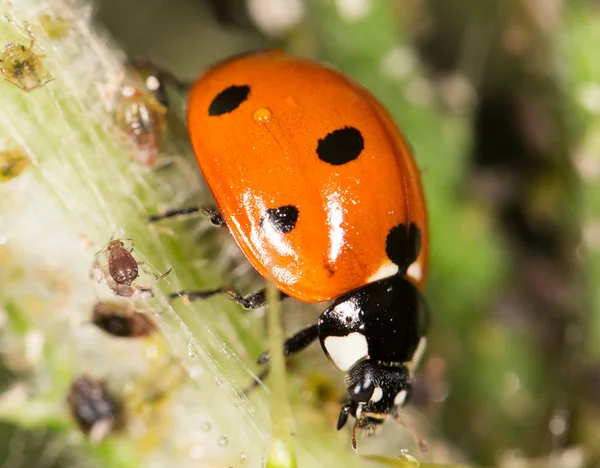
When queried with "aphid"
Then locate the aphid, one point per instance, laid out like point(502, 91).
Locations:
point(12, 164)
point(21, 66)
point(95, 410)
point(122, 320)
point(123, 269)
point(142, 118)
point(122, 266)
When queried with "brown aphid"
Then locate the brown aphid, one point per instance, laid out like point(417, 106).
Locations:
point(122, 270)
point(21, 66)
point(95, 410)
point(143, 119)
point(121, 320)
point(12, 164)
point(122, 266)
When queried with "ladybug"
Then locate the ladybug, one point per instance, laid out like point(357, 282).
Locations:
point(319, 189)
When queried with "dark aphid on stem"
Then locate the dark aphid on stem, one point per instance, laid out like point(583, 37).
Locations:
point(122, 266)
point(120, 319)
point(122, 270)
point(95, 410)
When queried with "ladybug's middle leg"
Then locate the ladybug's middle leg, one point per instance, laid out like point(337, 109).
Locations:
point(254, 300)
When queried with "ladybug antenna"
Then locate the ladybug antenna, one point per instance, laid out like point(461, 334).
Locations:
point(416, 434)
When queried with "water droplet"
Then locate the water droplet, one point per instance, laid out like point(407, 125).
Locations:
point(218, 382)
point(206, 426)
point(262, 115)
point(243, 456)
point(192, 351)
point(222, 441)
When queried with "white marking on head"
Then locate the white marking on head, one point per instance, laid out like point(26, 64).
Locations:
point(415, 271)
point(385, 271)
point(345, 351)
point(377, 394)
point(400, 398)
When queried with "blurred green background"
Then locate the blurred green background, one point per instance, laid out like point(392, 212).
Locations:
point(499, 100)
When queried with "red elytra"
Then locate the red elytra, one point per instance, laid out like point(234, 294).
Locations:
point(310, 173)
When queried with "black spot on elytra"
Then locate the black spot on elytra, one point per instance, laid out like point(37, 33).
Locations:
point(283, 219)
point(403, 245)
point(228, 100)
point(341, 146)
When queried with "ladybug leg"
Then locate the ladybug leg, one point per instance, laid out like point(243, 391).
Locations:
point(254, 300)
point(292, 345)
point(257, 381)
point(416, 434)
point(212, 214)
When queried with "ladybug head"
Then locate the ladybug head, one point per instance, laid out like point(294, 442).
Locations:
point(375, 390)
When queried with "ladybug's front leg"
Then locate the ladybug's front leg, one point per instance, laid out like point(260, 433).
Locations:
point(212, 214)
point(292, 345)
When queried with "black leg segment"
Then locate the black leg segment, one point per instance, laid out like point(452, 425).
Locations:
point(212, 214)
point(254, 300)
point(346, 410)
point(294, 344)
point(255, 383)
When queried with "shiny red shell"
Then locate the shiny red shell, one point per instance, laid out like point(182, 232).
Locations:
point(310, 173)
